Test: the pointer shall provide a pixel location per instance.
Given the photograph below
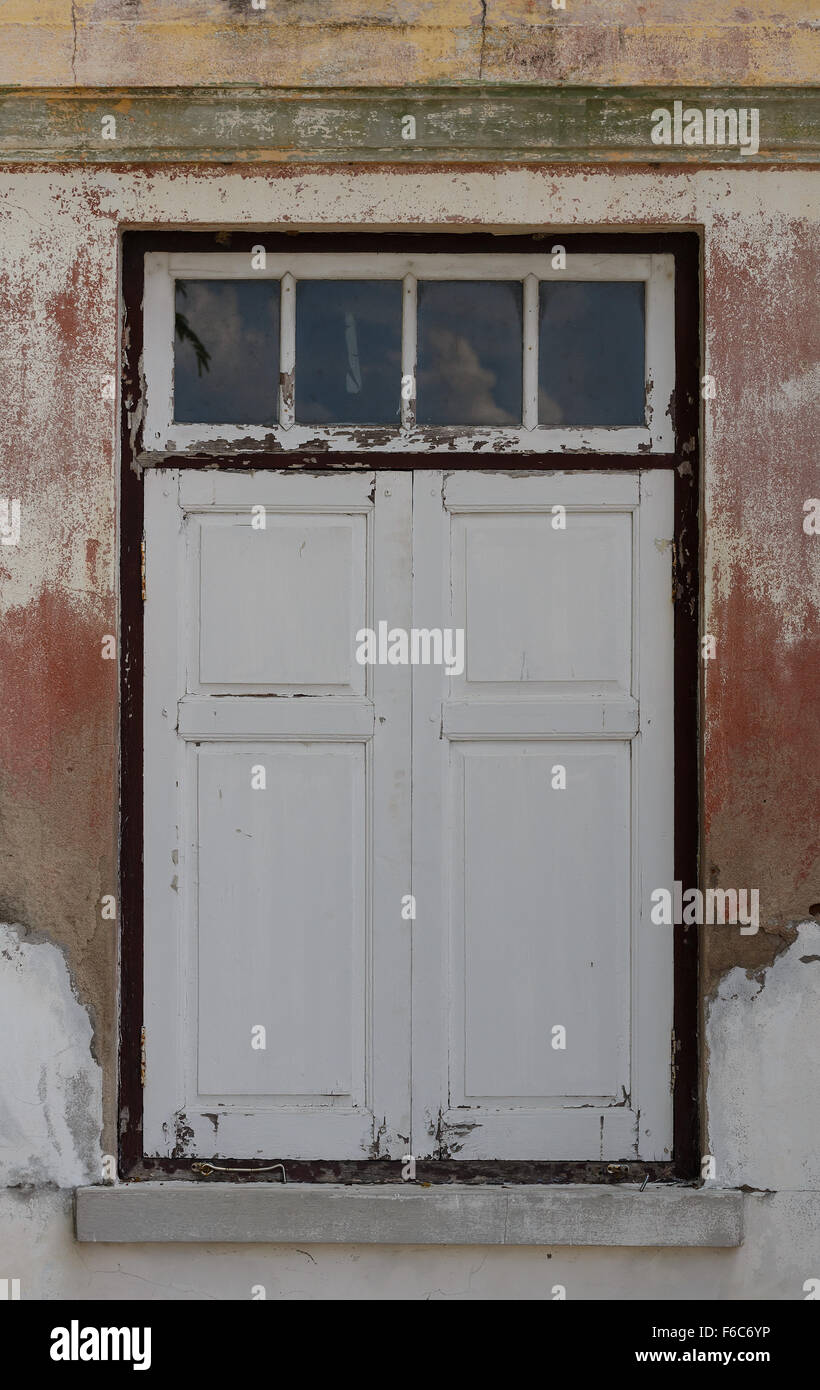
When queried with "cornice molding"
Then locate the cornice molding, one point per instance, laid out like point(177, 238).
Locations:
point(488, 124)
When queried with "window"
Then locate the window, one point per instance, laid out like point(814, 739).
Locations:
point(491, 351)
point(408, 733)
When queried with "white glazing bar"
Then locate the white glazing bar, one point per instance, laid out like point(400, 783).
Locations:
point(287, 349)
point(160, 344)
point(530, 398)
point(457, 265)
point(408, 351)
point(660, 351)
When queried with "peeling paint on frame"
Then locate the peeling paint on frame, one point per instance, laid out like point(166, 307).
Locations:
point(685, 247)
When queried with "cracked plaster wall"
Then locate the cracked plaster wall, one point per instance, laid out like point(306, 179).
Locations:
point(58, 794)
point(104, 43)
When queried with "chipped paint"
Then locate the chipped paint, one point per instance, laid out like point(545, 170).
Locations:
point(182, 1134)
point(58, 261)
point(763, 579)
point(58, 276)
point(286, 390)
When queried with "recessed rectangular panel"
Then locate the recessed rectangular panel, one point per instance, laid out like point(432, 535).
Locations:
point(280, 606)
point(542, 605)
point(542, 922)
point(226, 351)
point(280, 920)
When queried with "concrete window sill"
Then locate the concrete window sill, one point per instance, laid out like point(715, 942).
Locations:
point(448, 1215)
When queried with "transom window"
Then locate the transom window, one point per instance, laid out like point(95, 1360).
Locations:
point(567, 352)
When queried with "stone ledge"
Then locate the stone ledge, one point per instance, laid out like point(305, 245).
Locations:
point(447, 1215)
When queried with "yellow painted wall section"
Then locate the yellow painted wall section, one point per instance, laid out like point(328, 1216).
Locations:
point(296, 43)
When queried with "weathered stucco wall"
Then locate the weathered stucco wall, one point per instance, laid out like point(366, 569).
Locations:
point(101, 43)
point(778, 1256)
point(58, 794)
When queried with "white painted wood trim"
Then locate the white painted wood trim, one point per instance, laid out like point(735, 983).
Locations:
point(225, 490)
point(381, 265)
point(465, 491)
point(158, 349)
point(390, 830)
point(530, 347)
point(236, 717)
point(431, 966)
point(409, 347)
point(653, 783)
point(163, 838)
point(534, 719)
point(287, 350)
point(660, 352)
point(445, 439)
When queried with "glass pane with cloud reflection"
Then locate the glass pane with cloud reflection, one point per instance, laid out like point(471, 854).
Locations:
point(226, 352)
point(469, 352)
point(591, 352)
point(348, 352)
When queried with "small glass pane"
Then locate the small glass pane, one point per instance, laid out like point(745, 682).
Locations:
point(226, 352)
point(469, 352)
point(591, 353)
point(348, 352)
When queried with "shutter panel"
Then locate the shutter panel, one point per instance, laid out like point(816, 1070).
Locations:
point(272, 758)
point(532, 900)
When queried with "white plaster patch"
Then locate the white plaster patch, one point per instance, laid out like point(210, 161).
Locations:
point(51, 1086)
point(764, 1071)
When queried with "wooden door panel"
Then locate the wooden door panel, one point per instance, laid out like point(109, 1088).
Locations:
point(302, 581)
point(535, 893)
point(280, 916)
point(544, 610)
point(277, 818)
point(542, 922)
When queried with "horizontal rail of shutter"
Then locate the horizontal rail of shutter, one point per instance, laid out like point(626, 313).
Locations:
point(542, 719)
point(241, 717)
